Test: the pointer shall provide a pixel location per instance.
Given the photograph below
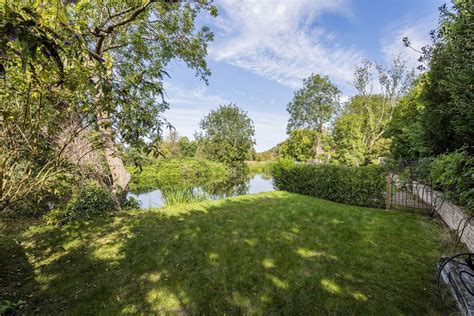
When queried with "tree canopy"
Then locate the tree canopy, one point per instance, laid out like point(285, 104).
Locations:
point(314, 104)
point(448, 119)
point(227, 134)
point(80, 75)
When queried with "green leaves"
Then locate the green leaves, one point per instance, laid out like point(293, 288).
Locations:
point(227, 134)
point(71, 69)
point(300, 145)
point(363, 186)
point(314, 104)
point(448, 91)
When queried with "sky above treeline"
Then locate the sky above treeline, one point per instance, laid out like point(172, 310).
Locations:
point(264, 48)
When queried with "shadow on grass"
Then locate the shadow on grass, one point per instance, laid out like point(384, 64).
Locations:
point(275, 253)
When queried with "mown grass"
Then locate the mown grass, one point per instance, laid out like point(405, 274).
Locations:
point(176, 173)
point(271, 253)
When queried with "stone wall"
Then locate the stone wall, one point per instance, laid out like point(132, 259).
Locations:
point(454, 216)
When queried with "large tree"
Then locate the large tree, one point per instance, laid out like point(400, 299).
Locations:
point(357, 136)
point(136, 39)
point(372, 109)
point(300, 145)
point(313, 106)
point(448, 118)
point(406, 130)
point(96, 68)
point(227, 134)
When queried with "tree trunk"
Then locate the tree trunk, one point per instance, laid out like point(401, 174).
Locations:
point(318, 147)
point(120, 176)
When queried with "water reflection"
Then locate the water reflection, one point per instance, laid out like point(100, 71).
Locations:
point(237, 184)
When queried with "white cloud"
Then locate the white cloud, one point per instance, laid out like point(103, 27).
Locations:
point(417, 33)
point(269, 129)
point(277, 39)
point(189, 106)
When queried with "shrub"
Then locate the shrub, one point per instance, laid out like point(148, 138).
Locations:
point(176, 172)
point(453, 173)
point(130, 203)
point(363, 186)
point(173, 196)
point(90, 199)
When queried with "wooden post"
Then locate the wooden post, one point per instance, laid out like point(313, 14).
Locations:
point(388, 195)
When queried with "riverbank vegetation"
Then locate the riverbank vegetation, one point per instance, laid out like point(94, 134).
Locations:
point(182, 173)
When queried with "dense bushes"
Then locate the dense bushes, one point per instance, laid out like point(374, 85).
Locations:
point(452, 173)
point(90, 199)
point(175, 172)
point(364, 186)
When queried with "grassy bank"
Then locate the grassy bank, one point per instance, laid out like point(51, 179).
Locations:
point(265, 254)
point(176, 173)
point(264, 167)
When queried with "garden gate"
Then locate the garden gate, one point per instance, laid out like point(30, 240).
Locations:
point(410, 194)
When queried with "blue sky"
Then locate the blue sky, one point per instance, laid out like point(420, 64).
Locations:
point(264, 48)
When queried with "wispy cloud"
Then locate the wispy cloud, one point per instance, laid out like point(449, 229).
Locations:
point(278, 39)
point(188, 107)
point(418, 34)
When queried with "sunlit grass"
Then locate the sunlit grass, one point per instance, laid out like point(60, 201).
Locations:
point(265, 254)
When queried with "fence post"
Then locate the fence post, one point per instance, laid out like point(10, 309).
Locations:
point(388, 195)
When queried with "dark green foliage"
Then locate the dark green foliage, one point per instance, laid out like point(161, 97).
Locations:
point(130, 203)
point(187, 148)
point(453, 174)
point(89, 200)
point(364, 186)
point(449, 116)
point(405, 130)
point(10, 308)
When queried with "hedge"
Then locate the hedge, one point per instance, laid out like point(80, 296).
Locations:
point(362, 186)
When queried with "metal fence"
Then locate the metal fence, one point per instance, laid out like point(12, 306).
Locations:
point(400, 192)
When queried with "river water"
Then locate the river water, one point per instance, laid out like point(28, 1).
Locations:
point(251, 184)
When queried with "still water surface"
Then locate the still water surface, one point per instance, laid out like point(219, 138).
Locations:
point(254, 184)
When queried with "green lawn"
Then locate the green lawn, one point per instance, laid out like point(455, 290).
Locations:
point(272, 253)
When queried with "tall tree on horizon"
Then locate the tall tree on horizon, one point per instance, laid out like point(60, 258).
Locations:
point(227, 134)
point(313, 106)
